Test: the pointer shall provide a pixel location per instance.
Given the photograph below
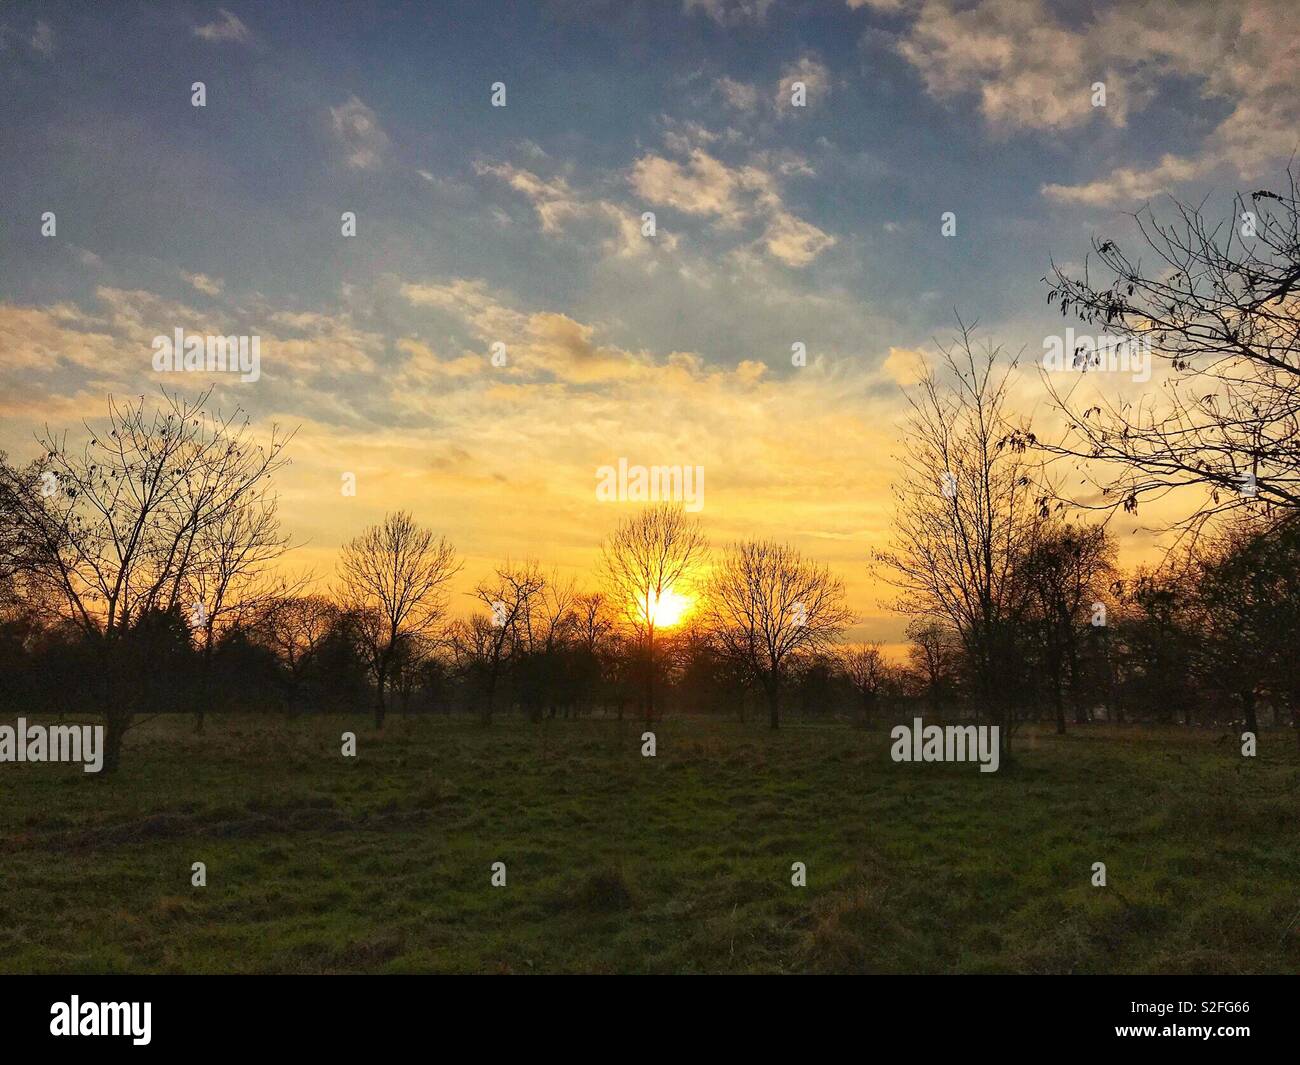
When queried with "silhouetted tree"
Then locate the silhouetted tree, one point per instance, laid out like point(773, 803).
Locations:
point(1218, 302)
point(648, 556)
point(392, 581)
point(964, 508)
point(116, 531)
point(766, 603)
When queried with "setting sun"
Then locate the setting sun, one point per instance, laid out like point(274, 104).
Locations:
point(669, 608)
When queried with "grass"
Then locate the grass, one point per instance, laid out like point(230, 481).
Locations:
point(680, 863)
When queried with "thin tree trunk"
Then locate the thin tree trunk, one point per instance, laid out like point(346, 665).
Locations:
point(380, 707)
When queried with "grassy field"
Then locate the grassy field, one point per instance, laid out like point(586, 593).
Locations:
point(618, 863)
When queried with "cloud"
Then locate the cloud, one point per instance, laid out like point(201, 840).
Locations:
point(730, 12)
point(227, 29)
point(314, 346)
point(701, 186)
point(356, 128)
point(815, 77)
point(1030, 71)
point(561, 209)
point(470, 302)
point(1125, 183)
point(1027, 70)
point(732, 197)
point(737, 94)
point(37, 340)
point(209, 286)
point(794, 241)
point(904, 366)
point(544, 344)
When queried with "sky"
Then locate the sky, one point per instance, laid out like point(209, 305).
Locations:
point(522, 225)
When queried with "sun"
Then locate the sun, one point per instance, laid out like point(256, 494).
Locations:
point(668, 608)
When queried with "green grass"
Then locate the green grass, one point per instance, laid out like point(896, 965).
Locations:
point(618, 863)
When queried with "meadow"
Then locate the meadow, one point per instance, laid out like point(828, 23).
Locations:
point(679, 863)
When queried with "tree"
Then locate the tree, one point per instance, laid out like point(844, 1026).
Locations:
point(1220, 305)
point(115, 532)
point(934, 656)
point(296, 629)
point(1065, 569)
point(767, 603)
point(230, 580)
point(595, 647)
point(1156, 633)
point(964, 507)
point(392, 579)
point(866, 670)
point(1244, 610)
point(647, 558)
point(511, 596)
point(554, 627)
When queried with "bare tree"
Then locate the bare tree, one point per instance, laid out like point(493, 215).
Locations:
point(963, 508)
point(393, 579)
point(934, 658)
point(295, 628)
point(117, 530)
point(555, 624)
point(648, 556)
point(596, 637)
point(231, 579)
point(1220, 304)
point(866, 670)
point(512, 597)
point(766, 604)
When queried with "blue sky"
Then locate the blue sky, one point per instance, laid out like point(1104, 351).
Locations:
point(774, 225)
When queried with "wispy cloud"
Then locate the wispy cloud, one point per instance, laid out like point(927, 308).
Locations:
point(226, 29)
point(730, 12)
point(356, 129)
point(732, 197)
point(209, 286)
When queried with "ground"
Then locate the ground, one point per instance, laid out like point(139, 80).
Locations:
point(678, 863)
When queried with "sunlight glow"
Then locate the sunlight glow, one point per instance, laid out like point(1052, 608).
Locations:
point(669, 608)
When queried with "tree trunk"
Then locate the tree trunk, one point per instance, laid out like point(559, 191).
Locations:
point(773, 705)
point(485, 714)
point(1005, 716)
point(1248, 703)
point(115, 726)
point(380, 707)
point(650, 679)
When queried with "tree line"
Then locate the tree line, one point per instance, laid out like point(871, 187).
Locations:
point(141, 569)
